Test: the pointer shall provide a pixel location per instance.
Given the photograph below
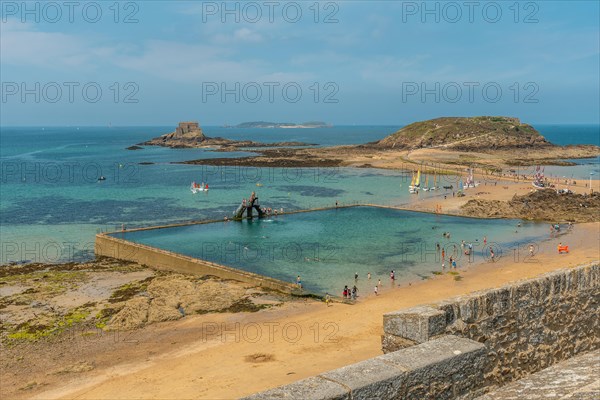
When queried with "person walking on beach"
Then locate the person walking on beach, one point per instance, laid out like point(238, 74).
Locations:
point(530, 250)
point(327, 299)
point(379, 282)
point(354, 292)
point(356, 276)
point(392, 276)
point(368, 275)
point(345, 292)
point(376, 290)
point(484, 240)
point(492, 254)
point(443, 254)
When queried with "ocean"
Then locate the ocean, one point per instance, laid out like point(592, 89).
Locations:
point(52, 203)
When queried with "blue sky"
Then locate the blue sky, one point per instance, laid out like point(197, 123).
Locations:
point(369, 64)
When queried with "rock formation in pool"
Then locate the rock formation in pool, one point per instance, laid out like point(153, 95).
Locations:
point(466, 134)
point(190, 135)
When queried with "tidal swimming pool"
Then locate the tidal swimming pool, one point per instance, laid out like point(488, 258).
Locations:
point(327, 248)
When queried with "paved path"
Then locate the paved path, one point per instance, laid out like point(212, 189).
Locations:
point(575, 379)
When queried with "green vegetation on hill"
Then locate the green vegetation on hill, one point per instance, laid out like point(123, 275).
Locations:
point(466, 133)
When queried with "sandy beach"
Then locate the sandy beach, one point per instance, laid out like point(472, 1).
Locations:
point(223, 356)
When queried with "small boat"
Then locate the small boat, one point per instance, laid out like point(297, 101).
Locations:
point(259, 184)
point(426, 188)
point(470, 181)
point(415, 184)
point(538, 178)
point(102, 178)
point(195, 188)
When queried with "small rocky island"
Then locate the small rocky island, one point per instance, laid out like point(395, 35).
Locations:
point(282, 125)
point(190, 135)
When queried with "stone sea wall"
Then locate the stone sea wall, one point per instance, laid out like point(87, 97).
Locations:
point(463, 347)
point(444, 368)
point(526, 326)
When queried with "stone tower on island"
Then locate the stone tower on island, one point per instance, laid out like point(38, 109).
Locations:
point(187, 134)
point(187, 127)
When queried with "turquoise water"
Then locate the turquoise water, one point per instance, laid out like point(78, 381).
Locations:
point(326, 248)
point(52, 204)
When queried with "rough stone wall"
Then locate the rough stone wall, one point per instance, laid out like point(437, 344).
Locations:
point(526, 326)
point(186, 127)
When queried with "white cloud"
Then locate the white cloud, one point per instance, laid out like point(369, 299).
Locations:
point(22, 45)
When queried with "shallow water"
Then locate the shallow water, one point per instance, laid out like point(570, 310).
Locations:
point(52, 203)
point(326, 248)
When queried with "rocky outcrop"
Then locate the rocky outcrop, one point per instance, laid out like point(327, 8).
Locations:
point(190, 135)
point(172, 297)
point(544, 205)
point(187, 134)
point(467, 134)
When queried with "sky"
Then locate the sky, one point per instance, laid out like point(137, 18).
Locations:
point(342, 62)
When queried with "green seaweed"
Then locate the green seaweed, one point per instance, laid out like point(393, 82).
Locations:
point(129, 290)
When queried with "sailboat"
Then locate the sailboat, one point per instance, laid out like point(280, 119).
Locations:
point(538, 181)
point(415, 183)
point(426, 187)
point(470, 181)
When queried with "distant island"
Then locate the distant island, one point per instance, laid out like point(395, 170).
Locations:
point(190, 135)
point(264, 124)
point(488, 142)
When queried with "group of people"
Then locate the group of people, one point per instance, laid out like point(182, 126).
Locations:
point(466, 248)
point(350, 293)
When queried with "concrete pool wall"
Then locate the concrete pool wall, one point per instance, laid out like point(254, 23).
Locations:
point(121, 249)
